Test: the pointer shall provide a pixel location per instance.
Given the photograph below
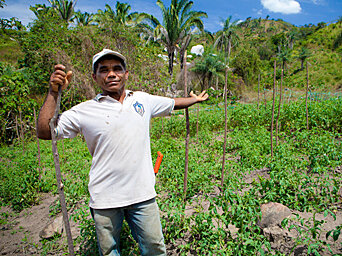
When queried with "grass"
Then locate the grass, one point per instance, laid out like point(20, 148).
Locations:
point(301, 175)
point(10, 51)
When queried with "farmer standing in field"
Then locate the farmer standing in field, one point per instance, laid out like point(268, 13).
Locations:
point(115, 125)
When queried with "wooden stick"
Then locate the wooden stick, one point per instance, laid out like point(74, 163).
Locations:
point(279, 106)
point(306, 96)
point(16, 127)
point(187, 132)
point(21, 131)
point(58, 174)
point(38, 145)
point(258, 89)
point(265, 97)
point(225, 127)
point(197, 123)
point(274, 89)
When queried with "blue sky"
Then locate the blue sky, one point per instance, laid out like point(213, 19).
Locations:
point(297, 12)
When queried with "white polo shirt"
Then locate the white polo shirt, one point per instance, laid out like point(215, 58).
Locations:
point(118, 139)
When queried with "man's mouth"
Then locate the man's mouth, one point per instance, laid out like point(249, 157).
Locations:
point(112, 82)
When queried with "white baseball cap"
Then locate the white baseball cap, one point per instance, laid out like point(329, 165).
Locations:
point(105, 52)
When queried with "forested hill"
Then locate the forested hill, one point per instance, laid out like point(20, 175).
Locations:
point(28, 55)
point(320, 45)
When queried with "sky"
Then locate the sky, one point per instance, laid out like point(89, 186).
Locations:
point(296, 12)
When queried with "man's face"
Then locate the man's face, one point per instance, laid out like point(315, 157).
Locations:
point(111, 76)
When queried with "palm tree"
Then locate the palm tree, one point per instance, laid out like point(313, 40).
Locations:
point(102, 18)
point(178, 20)
point(122, 12)
point(149, 30)
point(120, 15)
point(208, 66)
point(284, 54)
point(83, 19)
point(124, 17)
point(303, 54)
point(40, 10)
point(64, 8)
point(291, 37)
point(226, 36)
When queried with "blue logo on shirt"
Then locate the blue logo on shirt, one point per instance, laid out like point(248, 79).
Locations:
point(139, 108)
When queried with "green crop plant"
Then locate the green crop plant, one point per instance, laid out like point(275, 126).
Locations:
point(300, 175)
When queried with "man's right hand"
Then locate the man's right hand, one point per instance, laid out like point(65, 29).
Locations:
point(59, 78)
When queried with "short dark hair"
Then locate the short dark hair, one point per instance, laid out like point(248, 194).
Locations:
point(109, 57)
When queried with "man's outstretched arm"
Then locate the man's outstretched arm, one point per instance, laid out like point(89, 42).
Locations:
point(58, 78)
point(181, 103)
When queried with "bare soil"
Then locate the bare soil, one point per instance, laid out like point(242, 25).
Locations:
point(19, 234)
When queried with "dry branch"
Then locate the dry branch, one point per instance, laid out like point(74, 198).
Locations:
point(58, 174)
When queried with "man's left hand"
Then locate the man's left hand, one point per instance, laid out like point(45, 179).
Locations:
point(201, 97)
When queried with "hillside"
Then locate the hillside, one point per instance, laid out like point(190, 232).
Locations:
point(31, 54)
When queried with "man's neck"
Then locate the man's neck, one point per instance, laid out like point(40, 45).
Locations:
point(119, 96)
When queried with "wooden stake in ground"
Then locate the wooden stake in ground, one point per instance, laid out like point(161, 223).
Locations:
point(225, 127)
point(16, 128)
point(274, 89)
point(197, 123)
point(58, 174)
point(258, 90)
point(38, 145)
point(187, 131)
point(306, 96)
point(279, 106)
point(265, 96)
point(21, 131)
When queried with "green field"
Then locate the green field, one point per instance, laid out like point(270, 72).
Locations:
point(302, 175)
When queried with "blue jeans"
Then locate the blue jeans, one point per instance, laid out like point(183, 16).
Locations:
point(144, 222)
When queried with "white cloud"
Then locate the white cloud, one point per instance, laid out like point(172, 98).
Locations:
point(282, 6)
point(316, 2)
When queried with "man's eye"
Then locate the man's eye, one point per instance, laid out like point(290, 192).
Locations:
point(118, 70)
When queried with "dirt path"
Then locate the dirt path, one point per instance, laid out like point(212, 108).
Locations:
point(19, 232)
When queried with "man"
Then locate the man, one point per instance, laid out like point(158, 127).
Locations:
point(115, 126)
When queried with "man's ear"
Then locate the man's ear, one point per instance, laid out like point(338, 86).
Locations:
point(126, 74)
point(93, 76)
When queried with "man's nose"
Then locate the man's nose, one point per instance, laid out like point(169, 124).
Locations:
point(111, 73)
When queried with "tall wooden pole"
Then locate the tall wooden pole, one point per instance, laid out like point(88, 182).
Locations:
point(274, 89)
point(306, 96)
point(225, 127)
point(279, 106)
point(197, 123)
point(58, 174)
point(258, 90)
point(17, 128)
point(21, 131)
point(38, 145)
point(186, 166)
point(265, 100)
